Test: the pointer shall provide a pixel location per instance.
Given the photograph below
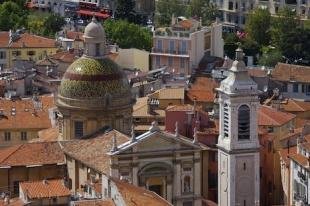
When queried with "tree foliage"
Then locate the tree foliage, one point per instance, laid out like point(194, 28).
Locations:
point(258, 26)
point(165, 9)
point(205, 10)
point(12, 16)
point(270, 57)
point(128, 35)
point(125, 9)
point(52, 24)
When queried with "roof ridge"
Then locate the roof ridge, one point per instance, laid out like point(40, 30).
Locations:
point(295, 102)
point(269, 117)
point(17, 148)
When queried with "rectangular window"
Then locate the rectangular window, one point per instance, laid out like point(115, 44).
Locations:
point(16, 53)
point(170, 61)
point(231, 5)
point(183, 47)
point(23, 136)
point(160, 45)
point(284, 87)
point(31, 53)
point(78, 129)
point(2, 55)
point(182, 62)
point(303, 88)
point(295, 88)
point(171, 47)
point(7, 136)
point(157, 59)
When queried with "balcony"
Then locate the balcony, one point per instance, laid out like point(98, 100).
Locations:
point(169, 52)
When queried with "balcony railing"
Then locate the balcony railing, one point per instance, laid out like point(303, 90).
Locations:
point(169, 51)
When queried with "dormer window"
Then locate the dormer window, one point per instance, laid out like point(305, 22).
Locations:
point(244, 122)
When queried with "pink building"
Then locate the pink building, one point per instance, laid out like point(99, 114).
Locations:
point(181, 46)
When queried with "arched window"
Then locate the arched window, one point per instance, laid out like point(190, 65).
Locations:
point(244, 122)
point(187, 184)
point(226, 120)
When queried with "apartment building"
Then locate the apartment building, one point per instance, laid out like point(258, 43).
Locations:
point(233, 12)
point(181, 46)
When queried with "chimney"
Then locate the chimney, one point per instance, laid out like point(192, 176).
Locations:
point(292, 129)
point(45, 182)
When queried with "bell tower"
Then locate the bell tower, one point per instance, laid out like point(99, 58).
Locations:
point(238, 145)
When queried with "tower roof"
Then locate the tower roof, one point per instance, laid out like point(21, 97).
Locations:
point(94, 32)
point(238, 81)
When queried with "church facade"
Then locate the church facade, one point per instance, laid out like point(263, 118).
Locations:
point(238, 145)
point(165, 163)
point(94, 92)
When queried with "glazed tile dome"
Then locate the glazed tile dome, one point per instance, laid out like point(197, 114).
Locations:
point(93, 78)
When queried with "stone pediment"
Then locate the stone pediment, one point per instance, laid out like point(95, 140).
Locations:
point(157, 141)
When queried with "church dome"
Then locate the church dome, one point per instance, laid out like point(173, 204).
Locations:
point(94, 31)
point(93, 78)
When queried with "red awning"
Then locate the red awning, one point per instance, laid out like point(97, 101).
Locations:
point(93, 13)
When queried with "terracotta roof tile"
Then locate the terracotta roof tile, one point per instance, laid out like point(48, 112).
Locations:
point(93, 151)
point(268, 116)
point(75, 35)
point(202, 90)
point(294, 134)
point(21, 114)
point(13, 202)
point(300, 159)
point(107, 202)
point(134, 195)
point(45, 189)
point(284, 153)
point(169, 93)
point(47, 135)
point(257, 72)
point(290, 72)
point(32, 154)
point(64, 56)
point(27, 40)
point(292, 105)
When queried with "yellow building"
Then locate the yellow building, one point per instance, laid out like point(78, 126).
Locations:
point(22, 119)
point(133, 59)
point(24, 46)
point(273, 126)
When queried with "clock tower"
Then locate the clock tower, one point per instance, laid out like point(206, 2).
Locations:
point(238, 145)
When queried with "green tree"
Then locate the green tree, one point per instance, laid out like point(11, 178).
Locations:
point(165, 9)
point(128, 35)
point(12, 16)
point(258, 26)
point(125, 10)
point(270, 57)
point(205, 10)
point(52, 24)
point(285, 21)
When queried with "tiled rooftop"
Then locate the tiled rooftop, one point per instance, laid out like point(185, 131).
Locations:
point(290, 72)
point(21, 114)
point(26, 41)
point(291, 105)
point(32, 154)
point(134, 195)
point(169, 93)
point(202, 90)
point(45, 189)
point(140, 109)
point(93, 151)
point(268, 116)
point(107, 202)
